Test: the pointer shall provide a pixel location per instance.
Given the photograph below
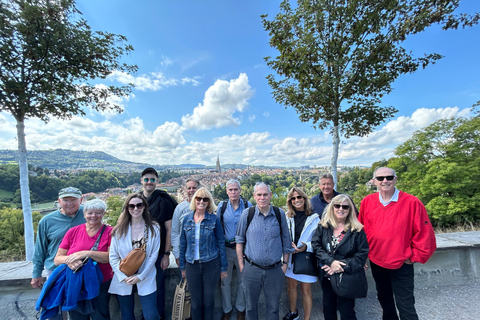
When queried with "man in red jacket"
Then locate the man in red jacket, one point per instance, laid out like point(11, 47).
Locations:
point(399, 234)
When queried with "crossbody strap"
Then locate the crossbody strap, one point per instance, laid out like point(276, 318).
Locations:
point(95, 246)
point(145, 236)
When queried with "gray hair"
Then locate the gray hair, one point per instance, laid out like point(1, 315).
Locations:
point(326, 175)
point(261, 184)
point(194, 180)
point(229, 182)
point(393, 171)
point(95, 204)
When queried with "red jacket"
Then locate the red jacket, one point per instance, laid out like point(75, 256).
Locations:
point(397, 232)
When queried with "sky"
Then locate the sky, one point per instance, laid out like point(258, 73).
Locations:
point(201, 91)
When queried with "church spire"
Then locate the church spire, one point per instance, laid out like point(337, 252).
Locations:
point(218, 167)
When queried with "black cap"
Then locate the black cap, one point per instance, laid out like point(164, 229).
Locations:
point(150, 170)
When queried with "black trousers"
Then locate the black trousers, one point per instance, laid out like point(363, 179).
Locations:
point(331, 301)
point(396, 283)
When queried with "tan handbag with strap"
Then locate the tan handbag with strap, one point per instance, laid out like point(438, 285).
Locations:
point(134, 260)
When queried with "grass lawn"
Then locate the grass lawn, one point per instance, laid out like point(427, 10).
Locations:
point(45, 205)
point(4, 194)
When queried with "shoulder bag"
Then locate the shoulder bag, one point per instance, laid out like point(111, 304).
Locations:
point(350, 285)
point(134, 260)
point(304, 262)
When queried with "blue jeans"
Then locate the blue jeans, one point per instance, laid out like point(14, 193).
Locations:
point(101, 306)
point(202, 281)
point(149, 310)
point(160, 287)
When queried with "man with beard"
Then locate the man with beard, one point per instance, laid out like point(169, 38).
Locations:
point(161, 206)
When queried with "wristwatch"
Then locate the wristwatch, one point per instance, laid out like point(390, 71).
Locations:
point(167, 253)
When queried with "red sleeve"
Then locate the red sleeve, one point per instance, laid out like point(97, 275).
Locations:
point(423, 240)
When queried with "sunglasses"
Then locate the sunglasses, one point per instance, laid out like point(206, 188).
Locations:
point(151, 179)
point(138, 206)
point(297, 197)
point(381, 178)
point(343, 206)
point(200, 199)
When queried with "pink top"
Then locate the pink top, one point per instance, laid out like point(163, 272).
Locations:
point(77, 239)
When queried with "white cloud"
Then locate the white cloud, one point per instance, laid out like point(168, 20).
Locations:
point(251, 118)
point(168, 134)
point(193, 81)
point(266, 114)
point(166, 61)
point(166, 144)
point(221, 101)
point(151, 82)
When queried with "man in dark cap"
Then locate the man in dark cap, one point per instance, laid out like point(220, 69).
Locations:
point(51, 230)
point(161, 206)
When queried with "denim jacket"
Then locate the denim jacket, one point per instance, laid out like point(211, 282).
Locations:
point(212, 241)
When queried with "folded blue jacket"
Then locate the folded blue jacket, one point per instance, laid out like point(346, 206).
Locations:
point(67, 291)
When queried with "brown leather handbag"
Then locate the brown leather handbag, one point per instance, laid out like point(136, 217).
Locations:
point(134, 260)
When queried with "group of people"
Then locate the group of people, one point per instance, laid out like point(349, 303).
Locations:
point(261, 242)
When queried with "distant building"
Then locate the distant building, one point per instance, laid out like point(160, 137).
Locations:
point(219, 169)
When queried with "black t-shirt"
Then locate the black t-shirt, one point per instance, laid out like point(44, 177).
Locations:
point(161, 206)
point(299, 219)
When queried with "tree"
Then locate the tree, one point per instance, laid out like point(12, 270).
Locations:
point(337, 58)
point(48, 59)
point(439, 165)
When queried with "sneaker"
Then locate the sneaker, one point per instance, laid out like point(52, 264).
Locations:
point(291, 316)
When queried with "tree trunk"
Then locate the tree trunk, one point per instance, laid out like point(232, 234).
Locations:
point(335, 144)
point(25, 191)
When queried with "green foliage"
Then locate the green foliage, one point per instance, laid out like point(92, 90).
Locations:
point(220, 193)
point(337, 59)
point(439, 165)
point(49, 55)
point(45, 188)
point(12, 247)
point(114, 208)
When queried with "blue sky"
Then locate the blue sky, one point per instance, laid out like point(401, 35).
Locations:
point(201, 91)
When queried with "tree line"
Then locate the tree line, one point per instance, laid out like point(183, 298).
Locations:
point(44, 187)
point(439, 165)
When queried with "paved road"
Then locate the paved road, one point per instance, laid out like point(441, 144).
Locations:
point(435, 303)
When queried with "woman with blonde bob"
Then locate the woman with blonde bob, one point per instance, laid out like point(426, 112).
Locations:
point(341, 247)
point(302, 223)
point(202, 254)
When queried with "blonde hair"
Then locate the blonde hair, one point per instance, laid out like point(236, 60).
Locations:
point(204, 193)
point(351, 222)
point(306, 203)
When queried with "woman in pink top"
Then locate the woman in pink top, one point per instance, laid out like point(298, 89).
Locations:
point(76, 247)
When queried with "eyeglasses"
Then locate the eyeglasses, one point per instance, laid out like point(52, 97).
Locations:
point(381, 178)
point(138, 206)
point(343, 206)
point(204, 199)
point(151, 179)
point(297, 198)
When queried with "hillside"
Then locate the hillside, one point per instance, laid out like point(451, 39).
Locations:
point(68, 159)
